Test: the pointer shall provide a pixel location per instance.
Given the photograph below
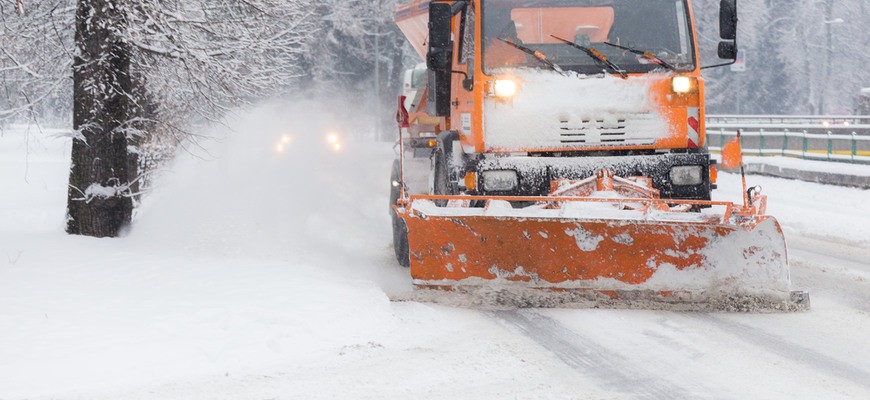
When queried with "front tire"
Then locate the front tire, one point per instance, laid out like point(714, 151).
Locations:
point(400, 230)
point(400, 242)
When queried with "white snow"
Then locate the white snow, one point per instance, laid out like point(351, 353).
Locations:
point(807, 207)
point(249, 274)
point(252, 274)
point(547, 105)
point(811, 165)
point(585, 240)
point(798, 164)
point(96, 190)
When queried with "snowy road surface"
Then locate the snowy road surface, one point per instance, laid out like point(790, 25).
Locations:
point(257, 274)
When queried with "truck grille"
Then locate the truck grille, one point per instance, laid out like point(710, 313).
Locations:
point(596, 132)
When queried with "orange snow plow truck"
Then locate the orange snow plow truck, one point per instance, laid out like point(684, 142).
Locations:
point(571, 156)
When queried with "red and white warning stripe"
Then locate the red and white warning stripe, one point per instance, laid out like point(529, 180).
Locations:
point(693, 124)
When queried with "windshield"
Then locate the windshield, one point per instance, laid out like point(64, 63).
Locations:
point(416, 77)
point(659, 27)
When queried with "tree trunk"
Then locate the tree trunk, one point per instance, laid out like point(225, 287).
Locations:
point(99, 202)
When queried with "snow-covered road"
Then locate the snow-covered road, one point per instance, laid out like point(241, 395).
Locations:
point(258, 274)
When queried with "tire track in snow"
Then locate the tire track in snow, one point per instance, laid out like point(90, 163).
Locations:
point(840, 269)
point(852, 256)
point(613, 370)
point(777, 345)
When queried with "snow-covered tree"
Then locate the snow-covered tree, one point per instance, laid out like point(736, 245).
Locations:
point(358, 52)
point(35, 60)
point(802, 56)
point(99, 202)
point(142, 71)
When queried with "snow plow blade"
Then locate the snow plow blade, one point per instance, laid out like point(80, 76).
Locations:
point(599, 248)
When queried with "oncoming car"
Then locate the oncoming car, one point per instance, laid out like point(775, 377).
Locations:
point(331, 140)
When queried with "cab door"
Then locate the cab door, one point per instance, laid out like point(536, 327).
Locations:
point(462, 84)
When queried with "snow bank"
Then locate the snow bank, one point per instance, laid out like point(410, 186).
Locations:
point(814, 209)
point(34, 167)
point(249, 273)
point(811, 165)
point(243, 258)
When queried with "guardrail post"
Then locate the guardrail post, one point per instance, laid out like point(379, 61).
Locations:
point(784, 142)
point(830, 144)
point(761, 145)
point(854, 146)
point(721, 138)
point(804, 154)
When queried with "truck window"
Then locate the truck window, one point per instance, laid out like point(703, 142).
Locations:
point(416, 77)
point(660, 27)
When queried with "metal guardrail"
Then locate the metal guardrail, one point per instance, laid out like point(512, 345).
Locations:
point(821, 120)
point(807, 137)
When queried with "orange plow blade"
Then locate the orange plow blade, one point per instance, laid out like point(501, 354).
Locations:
point(597, 247)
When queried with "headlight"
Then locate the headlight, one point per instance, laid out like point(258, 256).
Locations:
point(504, 88)
point(681, 84)
point(282, 144)
point(499, 180)
point(687, 175)
point(333, 142)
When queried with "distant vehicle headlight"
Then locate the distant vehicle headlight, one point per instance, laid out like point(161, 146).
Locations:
point(283, 143)
point(686, 175)
point(334, 142)
point(499, 180)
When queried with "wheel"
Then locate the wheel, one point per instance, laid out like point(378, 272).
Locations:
point(400, 241)
point(400, 230)
point(395, 190)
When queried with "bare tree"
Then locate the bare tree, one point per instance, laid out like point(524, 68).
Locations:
point(35, 60)
point(201, 58)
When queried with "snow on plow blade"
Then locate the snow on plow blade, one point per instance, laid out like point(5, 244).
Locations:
point(591, 247)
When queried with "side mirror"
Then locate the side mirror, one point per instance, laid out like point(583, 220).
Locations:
point(440, 51)
point(728, 32)
point(728, 50)
point(728, 19)
point(468, 84)
point(439, 60)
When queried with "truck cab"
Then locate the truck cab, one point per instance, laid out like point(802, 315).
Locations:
point(535, 91)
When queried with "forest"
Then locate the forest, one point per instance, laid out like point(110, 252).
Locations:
point(801, 57)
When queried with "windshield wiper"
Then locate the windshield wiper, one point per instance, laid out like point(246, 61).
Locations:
point(645, 54)
point(537, 54)
point(596, 56)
